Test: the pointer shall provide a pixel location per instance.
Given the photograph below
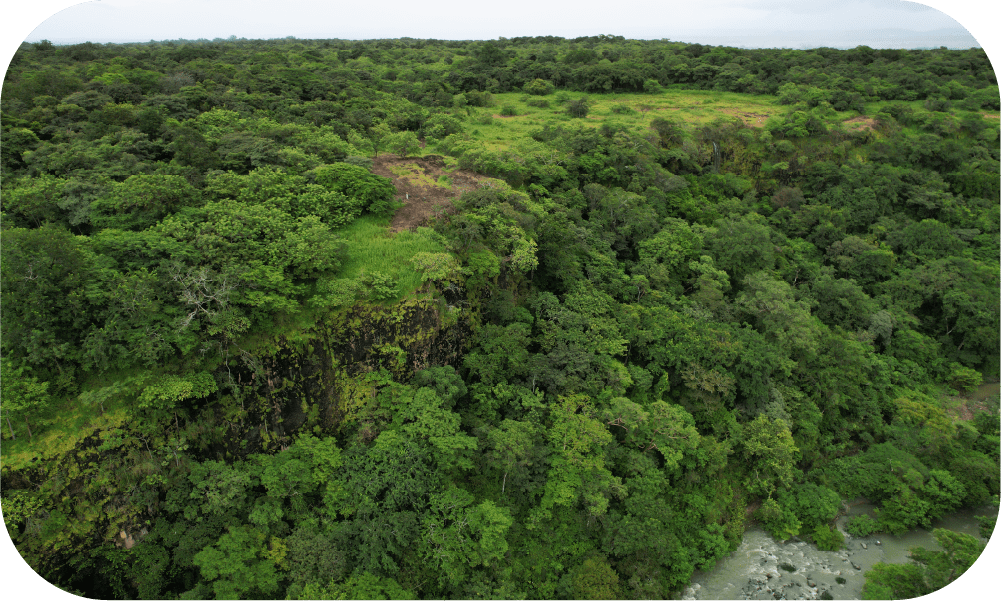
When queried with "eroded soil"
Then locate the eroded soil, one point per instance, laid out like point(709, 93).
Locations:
point(424, 186)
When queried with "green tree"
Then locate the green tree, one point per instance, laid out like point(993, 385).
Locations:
point(578, 108)
point(538, 87)
point(45, 308)
point(24, 398)
point(360, 585)
point(595, 579)
point(239, 565)
point(770, 454)
point(404, 143)
point(930, 570)
point(577, 472)
point(777, 313)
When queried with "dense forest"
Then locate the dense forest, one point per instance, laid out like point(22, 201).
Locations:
point(523, 318)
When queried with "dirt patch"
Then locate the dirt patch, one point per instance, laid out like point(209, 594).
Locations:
point(860, 123)
point(992, 116)
point(424, 186)
point(751, 119)
point(982, 399)
point(506, 116)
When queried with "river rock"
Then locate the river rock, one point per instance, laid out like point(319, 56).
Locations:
point(856, 566)
point(864, 546)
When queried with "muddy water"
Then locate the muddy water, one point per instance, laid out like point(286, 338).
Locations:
point(762, 568)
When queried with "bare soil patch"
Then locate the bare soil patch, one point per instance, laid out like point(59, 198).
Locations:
point(421, 189)
point(752, 119)
point(861, 123)
point(992, 115)
point(982, 399)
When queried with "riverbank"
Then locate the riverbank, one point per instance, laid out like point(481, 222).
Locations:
point(762, 568)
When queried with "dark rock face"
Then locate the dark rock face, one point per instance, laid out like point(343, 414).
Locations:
point(309, 382)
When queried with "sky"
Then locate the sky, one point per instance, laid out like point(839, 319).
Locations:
point(764, 23)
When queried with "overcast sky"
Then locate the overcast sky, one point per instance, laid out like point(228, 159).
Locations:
point(742, 22)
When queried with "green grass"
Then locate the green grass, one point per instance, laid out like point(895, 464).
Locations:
point(690, 106)
point(373, 248)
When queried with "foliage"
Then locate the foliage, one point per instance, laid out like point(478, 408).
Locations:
point(620, 332)
point(929, 570)
point(861, 526)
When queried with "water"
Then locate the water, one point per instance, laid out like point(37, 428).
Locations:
point(756, 569)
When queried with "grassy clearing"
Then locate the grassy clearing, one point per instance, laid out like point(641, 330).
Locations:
point(372, 248)
point(632, 111)
point(413, 174)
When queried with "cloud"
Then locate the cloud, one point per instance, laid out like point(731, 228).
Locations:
point(143, 20)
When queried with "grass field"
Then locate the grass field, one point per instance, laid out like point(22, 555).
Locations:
point(633, 111)
point(372, 248)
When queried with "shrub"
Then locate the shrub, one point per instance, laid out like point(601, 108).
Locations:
point(509, 110)
point(539, 87)
point(578, 108)
point(777, 520)
point(375, 192)
point(622, 109)
point(814, 505)
point(827, 538)
point(862, 525)
point(404, 143)
point(441, 125)
point(381, 285)
point(540, 103)
point(363, 162)
point(937, 104)
point(475, 98)
point(652, 86)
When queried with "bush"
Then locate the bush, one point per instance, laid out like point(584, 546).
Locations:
point(814, 505)
point(540, 103)
point(578, 108)
point(404, 143)
point(381, 285)
point(652, 86)
point(777, 520)
point(538, 87)
point(827, 538)
point(937, 104)
point(509, 110)
point(363, 162)
point(475, 98)
point(622, 109)
point(375, 192)
point(862, 525)
point(441, 125)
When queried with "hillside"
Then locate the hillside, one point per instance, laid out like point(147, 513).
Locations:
point(526, 318)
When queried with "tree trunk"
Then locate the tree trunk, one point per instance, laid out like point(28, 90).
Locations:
point(11, 428)
point(29, 430)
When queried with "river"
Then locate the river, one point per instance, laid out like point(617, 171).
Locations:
point(754, 570)
point(761, 568)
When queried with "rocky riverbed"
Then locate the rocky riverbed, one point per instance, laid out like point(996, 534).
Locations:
point(762, 568)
